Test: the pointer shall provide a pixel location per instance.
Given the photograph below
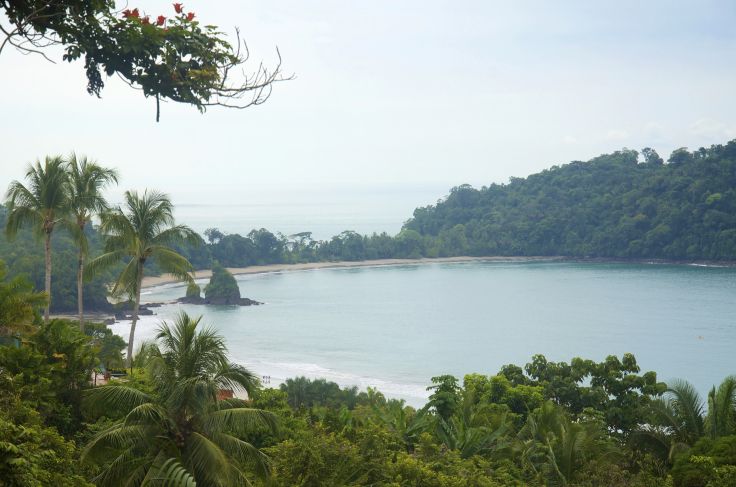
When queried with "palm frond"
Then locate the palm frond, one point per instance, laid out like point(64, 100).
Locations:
point(244, 452)
point(115, 397)
point(171, 474)
point(235, 376)
point(103, 262)
point(22, 216)
point(688, 406)
point(177, 234)
point(115, 437)
point(172, 262)
point(127, 465)
point(239, 420)
point(206, 459)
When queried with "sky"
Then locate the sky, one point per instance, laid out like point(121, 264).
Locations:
point(411, 97)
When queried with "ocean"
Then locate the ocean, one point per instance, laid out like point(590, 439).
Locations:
point(395, 327)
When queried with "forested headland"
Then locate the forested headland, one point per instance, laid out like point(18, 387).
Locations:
point(620, 205)
point(624, 205)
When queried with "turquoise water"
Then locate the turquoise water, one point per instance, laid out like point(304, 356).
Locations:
point(396, 327)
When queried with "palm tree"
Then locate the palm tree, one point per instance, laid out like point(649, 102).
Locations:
point(401, 420)
point(86, 181)
point(180, 433)
point(680, 419)
point(721, 420)
point(677, 421)
point(555, 447)
point(42, 204)
point(144, 231)
point(474, 428)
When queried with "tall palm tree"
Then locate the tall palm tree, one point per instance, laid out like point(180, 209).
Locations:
point(42, 204)
point(181, 433)
point(86, 181)
point(144, 231)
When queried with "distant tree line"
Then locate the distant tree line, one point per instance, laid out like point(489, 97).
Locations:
point(627, 204)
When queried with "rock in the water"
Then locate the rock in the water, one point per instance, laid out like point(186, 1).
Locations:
point(222, 290)
point(227, 302)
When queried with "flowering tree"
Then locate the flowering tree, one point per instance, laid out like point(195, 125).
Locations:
point(174, 57)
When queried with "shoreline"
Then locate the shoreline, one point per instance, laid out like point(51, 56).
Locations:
point(164, 279)
point(155, 281)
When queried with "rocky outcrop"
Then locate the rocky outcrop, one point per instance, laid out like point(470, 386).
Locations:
point(219, 301)
point(222, 290)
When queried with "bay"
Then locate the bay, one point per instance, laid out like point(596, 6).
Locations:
point(395, 327)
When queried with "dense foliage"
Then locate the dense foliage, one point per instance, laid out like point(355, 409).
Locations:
point(613, 206)
point(24, 255)
point(577, 424)
point(181, 432)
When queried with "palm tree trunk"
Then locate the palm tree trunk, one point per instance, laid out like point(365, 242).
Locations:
point(48, 277)
point(136, 308)
point(80, 289)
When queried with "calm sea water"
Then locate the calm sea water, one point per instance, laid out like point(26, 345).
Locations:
point(396, 327)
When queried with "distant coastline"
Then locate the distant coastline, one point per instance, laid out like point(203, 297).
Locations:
point(154, 281)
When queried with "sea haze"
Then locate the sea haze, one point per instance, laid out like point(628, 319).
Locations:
point(324, 210)
point(396, 327)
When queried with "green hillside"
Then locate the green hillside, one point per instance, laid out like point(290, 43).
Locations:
point(620, 205)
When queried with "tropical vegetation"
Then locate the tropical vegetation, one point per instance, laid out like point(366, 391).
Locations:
point(181, 432)
point(144, 231)
point(189, 415)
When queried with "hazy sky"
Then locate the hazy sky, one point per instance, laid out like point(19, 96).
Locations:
point(427, 94)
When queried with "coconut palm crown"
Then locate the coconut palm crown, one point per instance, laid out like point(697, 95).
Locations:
point(180, 434)
point(144, 230)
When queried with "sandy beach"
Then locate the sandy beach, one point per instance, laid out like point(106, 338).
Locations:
point(152, 281)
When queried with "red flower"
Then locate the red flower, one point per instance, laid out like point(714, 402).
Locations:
point(178, 7)
point(161, 20)
point(190, 16)
point(146, 20)
point(131, 13)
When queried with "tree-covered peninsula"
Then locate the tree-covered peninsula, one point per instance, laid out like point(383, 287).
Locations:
point(621, 205)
